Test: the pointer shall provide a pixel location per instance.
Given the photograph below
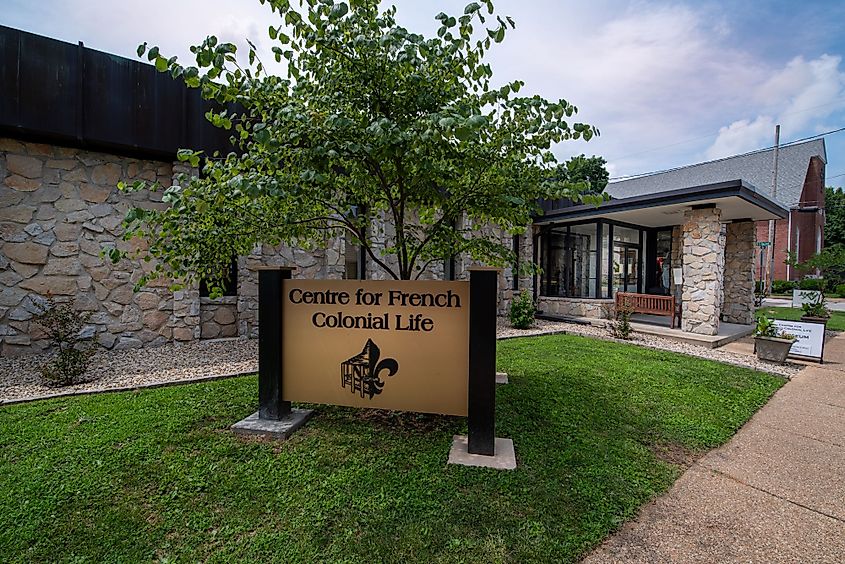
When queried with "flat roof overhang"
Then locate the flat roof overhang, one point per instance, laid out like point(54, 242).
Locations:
point(737, 199)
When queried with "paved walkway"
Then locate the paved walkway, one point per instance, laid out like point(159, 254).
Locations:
point(774, 493)
point(832, 304)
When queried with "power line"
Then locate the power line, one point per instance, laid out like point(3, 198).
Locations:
point(754, 152)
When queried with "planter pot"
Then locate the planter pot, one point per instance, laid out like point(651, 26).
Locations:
point(812, 319)
point(773, 349)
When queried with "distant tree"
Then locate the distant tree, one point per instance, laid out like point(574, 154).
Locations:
point(372, 121)
point(828, 263)
point(583, 169)
point(834, 210)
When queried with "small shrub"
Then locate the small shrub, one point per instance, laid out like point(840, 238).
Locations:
point(815, 284)
point(522, 310)
point(621, 326)
point(62, 325)
point(766, 328)
point(840, 290)
point(817, 308)
point(783, 286)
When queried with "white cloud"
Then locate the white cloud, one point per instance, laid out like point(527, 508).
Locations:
point(797, 96)
point(659, 79)
point(742, 136)
point(647, 75)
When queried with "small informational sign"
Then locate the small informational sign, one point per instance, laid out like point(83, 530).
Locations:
point(678, 276)
point(763, 244)
point(377, 343)
point(810, 338)
point(801, 297)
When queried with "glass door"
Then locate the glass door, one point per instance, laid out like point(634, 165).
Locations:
point(626, 261)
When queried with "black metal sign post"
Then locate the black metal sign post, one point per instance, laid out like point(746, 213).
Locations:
point(270, 378)
point(275, 417)
point(481, 408)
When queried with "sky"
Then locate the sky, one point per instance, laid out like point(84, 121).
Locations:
point(666, 83)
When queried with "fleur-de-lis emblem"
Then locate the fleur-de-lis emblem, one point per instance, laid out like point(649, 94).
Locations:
point(362, 372)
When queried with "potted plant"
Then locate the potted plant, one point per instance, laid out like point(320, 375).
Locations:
point(770, 342)
point(816, 312)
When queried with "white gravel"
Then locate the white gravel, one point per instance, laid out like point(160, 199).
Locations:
point(20, 378)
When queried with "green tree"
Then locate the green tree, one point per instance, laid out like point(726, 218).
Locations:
point(372, 125)
point(829, 263)
point(834, 209)
point(583, 169)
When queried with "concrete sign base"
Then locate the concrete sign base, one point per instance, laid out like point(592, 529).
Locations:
point(501, 378)
point(503, 459)
point(277, 429)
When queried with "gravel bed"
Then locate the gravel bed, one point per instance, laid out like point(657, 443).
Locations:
point(787, 370)
point(20, 378)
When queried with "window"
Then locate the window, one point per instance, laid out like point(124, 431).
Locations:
point(355, 255)
point(230, 284)
point(660, 263)
point(354, 259)
point(591, 260)
point(572, 267)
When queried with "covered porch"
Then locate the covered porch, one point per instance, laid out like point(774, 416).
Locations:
point(694, 247)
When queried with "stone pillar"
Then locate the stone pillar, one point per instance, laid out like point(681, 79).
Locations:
point(703, 257)
point(738, 277)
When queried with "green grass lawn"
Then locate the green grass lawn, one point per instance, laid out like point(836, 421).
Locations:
point(599, 428)
point(835, 323)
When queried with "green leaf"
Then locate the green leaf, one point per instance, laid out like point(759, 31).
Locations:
point(477, 121)
point(339, 10)
point(463, 133)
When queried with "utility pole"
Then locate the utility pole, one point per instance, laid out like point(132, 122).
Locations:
point(771, 266)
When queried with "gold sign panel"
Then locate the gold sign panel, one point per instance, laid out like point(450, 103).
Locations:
point(385, 344)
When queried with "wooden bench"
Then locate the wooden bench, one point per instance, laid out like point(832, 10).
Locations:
point(649, 304)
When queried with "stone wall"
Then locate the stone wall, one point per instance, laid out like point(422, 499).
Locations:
point(219, 317)
point(59, 209)
point(383, 235)
point(703, 250)
point(576, 307)
point(738, 276)
point(322, 263)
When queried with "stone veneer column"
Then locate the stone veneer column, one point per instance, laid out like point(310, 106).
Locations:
point(703, 257)
point(739, 268)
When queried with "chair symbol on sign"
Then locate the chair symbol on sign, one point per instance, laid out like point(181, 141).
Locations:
point(361, 372)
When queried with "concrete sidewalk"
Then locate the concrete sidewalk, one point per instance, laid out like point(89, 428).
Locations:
point(832, 304)
point(774, 493)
